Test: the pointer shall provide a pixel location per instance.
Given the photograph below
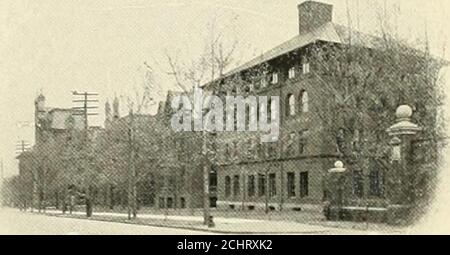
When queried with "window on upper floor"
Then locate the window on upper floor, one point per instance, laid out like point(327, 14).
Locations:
point(291, 73)
point(263, 82)
point(256, 85)
point(275, 78)
point(233, 92)
point(302, 141)
point(251, 87)
point(227, 150)
point(289, 147)
point(306, 68)
point(290, 105)
point(304, 101)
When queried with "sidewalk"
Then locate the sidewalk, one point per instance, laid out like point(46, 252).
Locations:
point(235, 225)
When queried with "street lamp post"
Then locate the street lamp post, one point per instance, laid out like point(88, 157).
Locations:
point(339, 170)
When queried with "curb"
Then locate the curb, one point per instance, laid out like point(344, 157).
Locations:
point(184, 227)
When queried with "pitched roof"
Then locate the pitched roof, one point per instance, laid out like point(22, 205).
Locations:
point(329, 32)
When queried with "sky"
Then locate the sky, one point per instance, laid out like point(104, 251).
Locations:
point(57, 46)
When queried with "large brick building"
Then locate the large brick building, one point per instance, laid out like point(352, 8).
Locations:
point(290, 173)
point(287, 173)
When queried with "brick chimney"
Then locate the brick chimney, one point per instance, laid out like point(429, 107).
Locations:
point(312, 15)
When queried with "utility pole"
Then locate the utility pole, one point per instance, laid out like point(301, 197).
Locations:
point(85, 99)
point(132, 203)
point(280, 141)
point(22, 146)
point(206, 213)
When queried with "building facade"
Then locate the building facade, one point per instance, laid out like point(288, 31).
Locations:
point(306, 74)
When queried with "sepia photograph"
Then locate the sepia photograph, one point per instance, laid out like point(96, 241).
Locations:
point(224, 117)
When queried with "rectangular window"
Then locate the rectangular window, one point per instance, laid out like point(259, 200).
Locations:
point(182, 202)
point(291, 184)
point(291, 73)
point(306, 68)
point(358, 184)
point(169, 202)
point(162, 202)
point(251, 186)
point(375, 183)
point(272, 185)
point(236, 186)
point(302, 142)
point(213, 180)
point(261, 185)
point(227, 186)
point(274, 78)
point(304, 184)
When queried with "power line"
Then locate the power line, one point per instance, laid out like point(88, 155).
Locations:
point(83, 110)
point(22, 146)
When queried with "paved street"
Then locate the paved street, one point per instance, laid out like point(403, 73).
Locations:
point(16, 222)
point(13, 222)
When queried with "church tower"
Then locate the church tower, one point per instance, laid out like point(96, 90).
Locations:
point(39, 116)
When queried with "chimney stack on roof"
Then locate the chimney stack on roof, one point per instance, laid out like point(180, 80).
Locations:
point(313, 14)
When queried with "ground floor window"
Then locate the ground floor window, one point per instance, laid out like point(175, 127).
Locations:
point(251, 186)
point(272, 185)
point(236, 186)
point(376, 182)
point(162, 202)
point(291, 184)
point(304, 184)
point(169, 202)
point(213, 202)
point(261, 185)
point(182, 202)
point(227, 186)
point(358, 184)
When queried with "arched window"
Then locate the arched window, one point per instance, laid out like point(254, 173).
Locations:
point(227, 186)
point(290, 105)
point(304, 101)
